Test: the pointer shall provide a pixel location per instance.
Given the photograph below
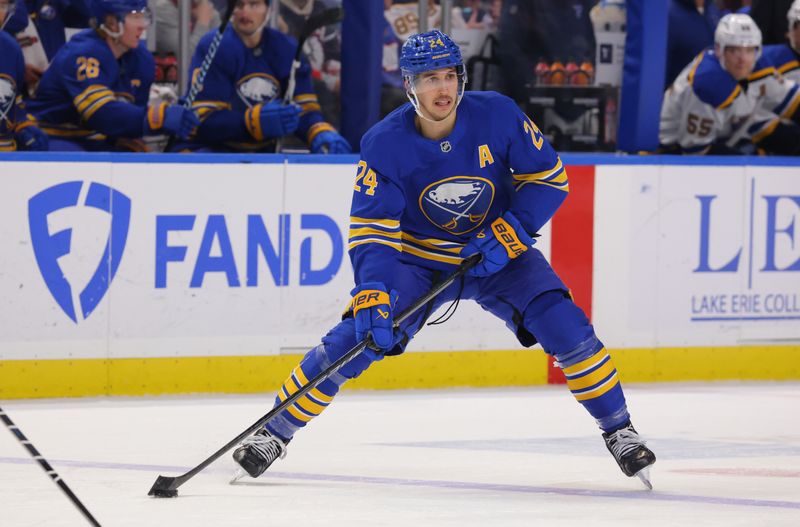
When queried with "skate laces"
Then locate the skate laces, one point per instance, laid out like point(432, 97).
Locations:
point(266, 445)
point(624, 441)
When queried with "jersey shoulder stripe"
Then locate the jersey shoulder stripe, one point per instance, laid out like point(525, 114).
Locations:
point(711, 83)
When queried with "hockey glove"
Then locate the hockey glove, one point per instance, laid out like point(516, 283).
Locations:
point(329, 142)
point(503, 241)
point(372, 310)
point(165, 119)
point(32, 138)
point(272, 120)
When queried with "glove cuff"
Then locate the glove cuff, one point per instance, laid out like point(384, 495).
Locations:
point(505, 230)
point(317, 129)
point(369, 298)
point(252, 121)
point(155, 116)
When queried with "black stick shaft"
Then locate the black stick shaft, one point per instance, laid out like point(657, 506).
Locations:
point(47, 467)
point(166, 483)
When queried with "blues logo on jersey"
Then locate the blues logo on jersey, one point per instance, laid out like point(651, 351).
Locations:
point(457, 204)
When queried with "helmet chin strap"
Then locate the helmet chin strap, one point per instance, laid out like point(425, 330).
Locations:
point(9, 14)
point(411, 93)
point(110, 33)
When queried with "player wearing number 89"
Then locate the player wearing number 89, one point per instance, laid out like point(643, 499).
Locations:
point(731, 100)
point(432, 189)
point(94, 94)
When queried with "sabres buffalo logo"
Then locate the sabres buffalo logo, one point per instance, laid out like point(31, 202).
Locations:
point(257, 88)
point(457, 204)
point(8, 94)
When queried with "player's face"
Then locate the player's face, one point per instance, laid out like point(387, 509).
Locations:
point(135, 25)
point(249, 16)
point(437, 91)
point(794, 36)
point(739, 61)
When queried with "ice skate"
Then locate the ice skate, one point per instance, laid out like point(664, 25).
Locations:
point(257, 453)
point(632, 456)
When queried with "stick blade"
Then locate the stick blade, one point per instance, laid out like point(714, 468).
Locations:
point(164, 487)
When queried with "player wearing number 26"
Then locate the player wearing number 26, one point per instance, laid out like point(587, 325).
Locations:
point(94, 94)
point(731, 99)
point(450, 175)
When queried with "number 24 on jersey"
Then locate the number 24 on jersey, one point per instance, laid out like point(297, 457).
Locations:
point(367, 177)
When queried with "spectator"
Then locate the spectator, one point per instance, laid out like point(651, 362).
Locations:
point(204, 18)
point(17, 131)
point(770, 15)
point(240, 102)
point(786, 57)
point(730, 99)
point(690, 30)
point(94, 95)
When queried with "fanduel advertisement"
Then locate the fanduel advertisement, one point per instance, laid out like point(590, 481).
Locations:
point(138, 260)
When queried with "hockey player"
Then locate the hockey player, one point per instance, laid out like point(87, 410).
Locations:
point(94, 94)
point(786, 57)
point(17, 131)
point(240, 102)
point(731, 100)
point(432, 189)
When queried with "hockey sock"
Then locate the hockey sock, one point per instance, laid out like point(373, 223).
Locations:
point(595, 384)
point(311, 404)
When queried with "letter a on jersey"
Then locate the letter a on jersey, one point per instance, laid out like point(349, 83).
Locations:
point(49, 247)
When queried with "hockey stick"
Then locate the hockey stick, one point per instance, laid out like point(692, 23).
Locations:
point(46, 467)
point(167, 486)
point(313, 23)
point(197, 82)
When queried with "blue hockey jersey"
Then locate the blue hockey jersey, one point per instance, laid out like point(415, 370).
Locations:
point(785, 59)
point(89, 96)
point(12, 74)
point(418, 201)
point(240, 79)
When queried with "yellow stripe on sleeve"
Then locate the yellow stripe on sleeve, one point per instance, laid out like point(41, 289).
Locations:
point(727, 102)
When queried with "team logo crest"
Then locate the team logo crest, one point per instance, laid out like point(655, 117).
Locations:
point(445, 146)
point(257, 88)
point(49, 247)
point(8, 94)
point(457, 204)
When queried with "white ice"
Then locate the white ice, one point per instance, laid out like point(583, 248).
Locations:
point(728, 455)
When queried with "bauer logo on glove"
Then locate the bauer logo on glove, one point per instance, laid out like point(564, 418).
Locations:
point(508, 241)
point(372, 310)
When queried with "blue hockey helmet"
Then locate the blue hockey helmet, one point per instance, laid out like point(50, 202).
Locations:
point(430, 51)
point(117, 8)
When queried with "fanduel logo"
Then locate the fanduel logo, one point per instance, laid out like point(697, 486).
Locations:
point(50, 247)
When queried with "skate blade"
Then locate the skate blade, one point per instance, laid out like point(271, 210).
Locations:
point(239, 474)
point(644, 475)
